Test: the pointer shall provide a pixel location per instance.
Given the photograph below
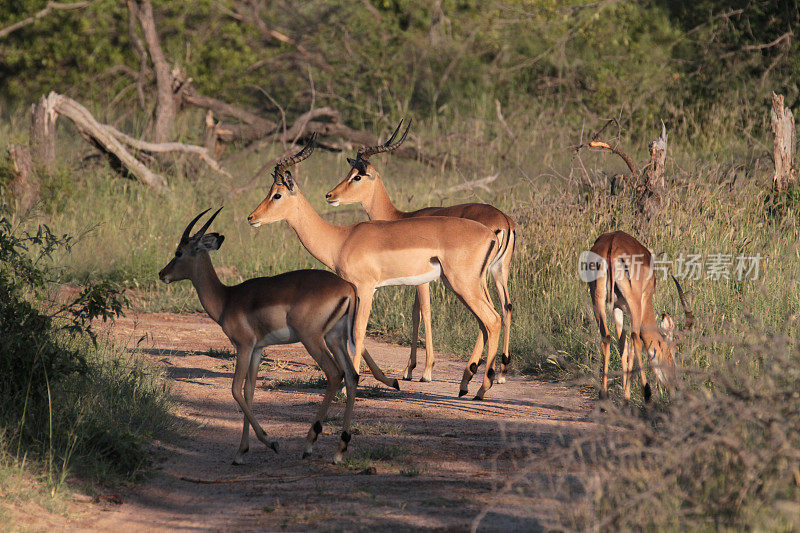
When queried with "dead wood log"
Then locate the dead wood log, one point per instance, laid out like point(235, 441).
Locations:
point(89, 127)
point(782, 122)
point(224, 109)
point(24, 185)
point(42, 141)
point(161, 148)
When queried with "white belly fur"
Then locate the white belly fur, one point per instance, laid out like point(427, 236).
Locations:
point(279, 336)
point(419, 279)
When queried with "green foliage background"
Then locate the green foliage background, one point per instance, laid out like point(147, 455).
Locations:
point(681, 61)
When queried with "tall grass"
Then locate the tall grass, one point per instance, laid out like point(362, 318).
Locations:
point(713, 205)
point(97, 428)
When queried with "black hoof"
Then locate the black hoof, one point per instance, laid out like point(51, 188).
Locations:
point(396, 385)
point(406, 379)
point(274, 446)
point(424, 380)
point(647, 393)
point(477, 399)
point(462, 393)
point(305, 454)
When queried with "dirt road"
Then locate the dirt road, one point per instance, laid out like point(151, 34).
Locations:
point(421, 458)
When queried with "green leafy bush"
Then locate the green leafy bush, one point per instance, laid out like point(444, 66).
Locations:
point(64, 396)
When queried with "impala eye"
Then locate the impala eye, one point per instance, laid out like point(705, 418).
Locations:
point(178, 253)
point(356, 178)
point(276, 197)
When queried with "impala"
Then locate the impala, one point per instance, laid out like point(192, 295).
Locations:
point(626, 281)
point(363, 185)
point(403, 252)
point(314, 307)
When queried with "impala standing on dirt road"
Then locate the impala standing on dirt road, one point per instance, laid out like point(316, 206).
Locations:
point(402, 252)
point(363, 185)
point(314, 307)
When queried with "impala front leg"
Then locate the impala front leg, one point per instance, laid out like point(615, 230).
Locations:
point(363, 310)
point(242, 358)
point(249, 389)
point(424, 295)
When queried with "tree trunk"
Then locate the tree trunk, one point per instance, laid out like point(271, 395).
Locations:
point(24, 185)
point(166, 102)
point(784, 150)
point(42, 140)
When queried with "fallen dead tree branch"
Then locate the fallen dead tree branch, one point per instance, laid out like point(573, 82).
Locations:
point(112, 140)
point(199, 151)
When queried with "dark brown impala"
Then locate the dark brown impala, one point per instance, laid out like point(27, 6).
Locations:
point(363, 185)
point(625, 280)
point(314, 307)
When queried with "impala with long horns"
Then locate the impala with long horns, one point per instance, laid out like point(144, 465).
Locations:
point(363, 185)
point(314, 307)
point(403, 252)
point(623, 278)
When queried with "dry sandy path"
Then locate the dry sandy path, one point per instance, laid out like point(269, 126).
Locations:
point(451, 454)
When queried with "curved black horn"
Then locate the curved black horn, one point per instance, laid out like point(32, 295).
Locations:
point(292, 160)
point(389, 146)
point(188, 230)
point(687, 311)
point(208, 223)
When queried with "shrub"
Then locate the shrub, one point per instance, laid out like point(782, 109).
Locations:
point(62, 397)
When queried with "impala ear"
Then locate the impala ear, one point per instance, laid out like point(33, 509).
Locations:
point(667, 326)
point(210, 242)
point(288, 180)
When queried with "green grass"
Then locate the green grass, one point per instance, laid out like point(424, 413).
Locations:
point(317, 382)
point(102, 424)
point(715, 204)
point(363, 459)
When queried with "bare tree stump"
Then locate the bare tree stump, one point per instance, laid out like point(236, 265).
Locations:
point(42, 141)
point(654, 177)
point(784, 150)
point(211, 137)
point(24, 185)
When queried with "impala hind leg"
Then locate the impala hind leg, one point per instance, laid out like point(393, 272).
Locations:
point(626, 359)
point(243, 360)
point(424, 295)
point(249, 389)
point(597, 290)
point(324, 358)
point(475, 296)
point(350, 386)
point(500, 275)
point(412, 359)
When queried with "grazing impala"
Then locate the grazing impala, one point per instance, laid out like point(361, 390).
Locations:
point(403, 252)
point(314, 307)
point(624, 279)
point(363, 185)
